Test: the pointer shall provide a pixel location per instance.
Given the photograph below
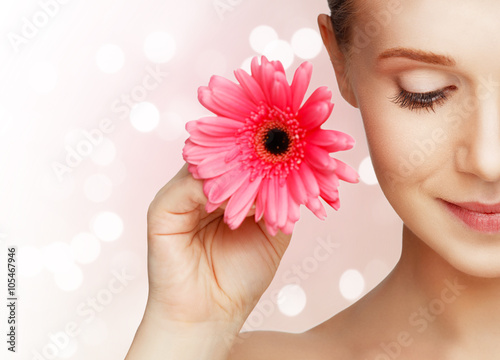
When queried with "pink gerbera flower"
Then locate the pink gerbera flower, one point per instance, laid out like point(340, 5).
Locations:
point(263, 148)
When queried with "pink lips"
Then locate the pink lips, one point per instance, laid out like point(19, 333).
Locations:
point(480, 217)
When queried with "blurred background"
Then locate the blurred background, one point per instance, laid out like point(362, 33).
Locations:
point(94, 97)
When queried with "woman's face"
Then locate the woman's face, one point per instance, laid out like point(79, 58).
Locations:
point(426, 77)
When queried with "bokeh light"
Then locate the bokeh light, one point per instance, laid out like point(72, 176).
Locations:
point(307, 43)
point(280, 50)
point(107, 226)
point(144, 116)
point(291, 300)
point(351, 284)
point(366, 172)
point(261, 37)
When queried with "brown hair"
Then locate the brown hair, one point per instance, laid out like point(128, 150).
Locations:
point(342, 15)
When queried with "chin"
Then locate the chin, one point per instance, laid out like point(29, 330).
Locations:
point(478, 262)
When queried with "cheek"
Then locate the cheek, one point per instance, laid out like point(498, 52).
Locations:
point(407, 148)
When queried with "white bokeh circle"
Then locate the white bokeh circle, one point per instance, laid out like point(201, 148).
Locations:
point(110, 58)
point(306, 43)
point(85, 247)
point(144, 116)
point(280, 50)
point(107, 226)
point(97, 187)
point(291, 300)
point(160, 47)
point(70, 279)
point(351, 284)
point(366, 172)
point(261, 36)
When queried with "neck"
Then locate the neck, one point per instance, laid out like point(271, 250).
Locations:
point(442, 300)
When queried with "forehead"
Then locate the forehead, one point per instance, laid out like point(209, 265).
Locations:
point(467, 30)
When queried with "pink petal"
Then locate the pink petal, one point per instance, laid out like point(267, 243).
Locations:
point(293, 210)
point(199, 138)
point(241, 202)
point(270, 214)
point(300, 83)
point(319, 158)
point(261, 201)
point(331, 140)
point(282, 202)
point(296, 187)
point(281, 95)
point(211, 207)
point(224, 186)
point(231, 92)
point(328, 182)
point(193, 169)
point(332, 200)
point(315, 205)
point(278, 66)
point(272, 230)
point(308, 178)
point(206, 98)
point(288, 228)
point(315, 114)
point(256, 70)
point(215, 165)
point(232, 102)
point(215, 126)
point(251, 86)
point(346, 173)
point(321, 94)
point(195, 154)
point(267, 76)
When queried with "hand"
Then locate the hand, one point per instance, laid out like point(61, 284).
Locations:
point(199, 269)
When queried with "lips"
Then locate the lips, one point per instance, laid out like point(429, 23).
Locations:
point(480, 217)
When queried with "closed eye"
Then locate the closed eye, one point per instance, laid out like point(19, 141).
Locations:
point(417, 101)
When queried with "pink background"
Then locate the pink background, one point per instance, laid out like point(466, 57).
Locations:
point(85, 64)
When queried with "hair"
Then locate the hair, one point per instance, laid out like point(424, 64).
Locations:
point(342, 16)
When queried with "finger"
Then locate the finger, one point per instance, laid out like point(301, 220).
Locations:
point(175, 201)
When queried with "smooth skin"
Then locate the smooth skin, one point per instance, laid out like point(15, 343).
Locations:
point(441, 300)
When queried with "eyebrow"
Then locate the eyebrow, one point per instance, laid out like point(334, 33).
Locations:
point(417, 55)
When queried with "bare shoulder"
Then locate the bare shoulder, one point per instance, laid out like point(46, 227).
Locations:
point(313, 344)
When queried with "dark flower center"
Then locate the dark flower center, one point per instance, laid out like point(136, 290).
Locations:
point(277, 141)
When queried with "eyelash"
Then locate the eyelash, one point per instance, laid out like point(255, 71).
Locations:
point(417, 101)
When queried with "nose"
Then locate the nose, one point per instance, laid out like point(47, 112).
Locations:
point(480, 150)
